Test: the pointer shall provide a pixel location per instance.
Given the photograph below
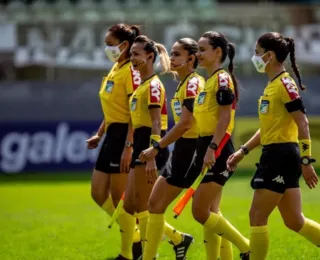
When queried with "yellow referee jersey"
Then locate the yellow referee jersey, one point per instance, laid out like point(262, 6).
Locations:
point(151, 93)
point(115, 90)
point(188, 89)
point(206, 109)
point(276, 123)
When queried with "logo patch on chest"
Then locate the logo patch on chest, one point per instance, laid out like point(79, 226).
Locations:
point(133, 105)
point(109, 86)
point(264, 106)
point(201, 98)
point(177, 107)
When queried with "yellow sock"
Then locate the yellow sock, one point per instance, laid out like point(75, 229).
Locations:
point(154, 234)
point(136, 235)
point(143, 221)
point(226, 251)
point(127, 224)
point(212, 244)
point(219, 225)
point(259, 243)
point(108, 206)
point(311, 231)
point(174, 235)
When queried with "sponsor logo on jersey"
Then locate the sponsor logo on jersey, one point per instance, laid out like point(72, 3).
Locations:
point(224, 80)
point(155, 91)
point(192, 87)
point(136, 79)
point(291, 87)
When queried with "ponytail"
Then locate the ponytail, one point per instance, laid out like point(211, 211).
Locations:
point(135, 30)
point(291, 48)
point(231, 53)
point(164, 58)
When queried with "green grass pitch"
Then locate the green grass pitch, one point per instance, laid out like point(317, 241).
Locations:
point(54, 218)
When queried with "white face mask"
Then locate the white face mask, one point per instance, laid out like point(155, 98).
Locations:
point(113, 52)
point(259, 63)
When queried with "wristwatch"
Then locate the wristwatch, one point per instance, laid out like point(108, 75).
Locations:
point(307, 160)
point(156, 145)
point(244, 149)
point(128, 144)
point(213, 146)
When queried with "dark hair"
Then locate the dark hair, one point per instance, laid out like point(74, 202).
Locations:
point(157, 49)
point(216, 40)
point(191, 46)
point(124, 32)
point(281, 46)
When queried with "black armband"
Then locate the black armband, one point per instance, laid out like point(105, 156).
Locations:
point(154, 106)
point(295, 105)
point(225, 96)
point(188, 103)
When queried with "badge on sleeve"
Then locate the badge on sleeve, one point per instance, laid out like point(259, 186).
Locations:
point(201, 98)
point(264, 106)
point(109, 86)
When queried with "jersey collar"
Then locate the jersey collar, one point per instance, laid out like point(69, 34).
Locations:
point(143, 81)
point(123, 63)
point(278, 75)
point(182, 82)
point(215, 72)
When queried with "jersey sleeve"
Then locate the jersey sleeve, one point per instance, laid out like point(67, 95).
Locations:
point(132, 81)
point(288, 91)
point(225, 90)
point(192, 88)
point(155, 94)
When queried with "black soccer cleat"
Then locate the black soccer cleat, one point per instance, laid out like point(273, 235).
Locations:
point(137, 250)
point(182, 249)
point(245, 256)
point(120, 257)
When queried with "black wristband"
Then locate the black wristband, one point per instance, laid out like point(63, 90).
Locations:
point(244, 149)
point(213, 146)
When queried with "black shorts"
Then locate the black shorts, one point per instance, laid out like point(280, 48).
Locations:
point(180, 170)
point(110, 153)
point(279, 168)
point(141, 141)
point(219, 172)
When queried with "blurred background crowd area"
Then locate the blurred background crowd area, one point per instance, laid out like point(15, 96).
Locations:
point(52, 60)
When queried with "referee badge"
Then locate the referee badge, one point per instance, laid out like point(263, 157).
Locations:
point(201, 98)
point(109, 86)
point(133, 104)
point(264, 106)
point(177, 107)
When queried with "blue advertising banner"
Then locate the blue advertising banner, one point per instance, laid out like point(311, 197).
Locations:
point(46, 146)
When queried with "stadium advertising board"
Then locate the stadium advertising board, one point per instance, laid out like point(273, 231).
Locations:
point(46, 146)
point(82, 45)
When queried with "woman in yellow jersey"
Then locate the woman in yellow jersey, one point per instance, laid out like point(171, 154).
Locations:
point(214, 112)
point(283, 130)
point(180, 172)
point(112, 166)
point(150, 121)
